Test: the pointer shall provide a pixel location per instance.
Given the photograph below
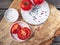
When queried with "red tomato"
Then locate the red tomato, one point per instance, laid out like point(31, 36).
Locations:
point(15, 28)
point(26, 4)
point(37, 2)
point(24, 33)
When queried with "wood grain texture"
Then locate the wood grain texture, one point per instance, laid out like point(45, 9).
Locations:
point(49, 42)
point(42, 32)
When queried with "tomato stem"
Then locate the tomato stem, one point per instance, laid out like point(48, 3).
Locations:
point(26, 3)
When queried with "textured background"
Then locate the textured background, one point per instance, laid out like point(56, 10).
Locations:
point(4, 4)
point(55, 3)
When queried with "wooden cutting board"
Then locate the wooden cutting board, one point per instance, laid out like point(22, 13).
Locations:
point(42, 32)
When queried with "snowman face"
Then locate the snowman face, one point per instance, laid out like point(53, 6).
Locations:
point(37, 15)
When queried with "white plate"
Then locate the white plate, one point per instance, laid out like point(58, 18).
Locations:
point(15, 36)
point(11, 15)
point(37, 15)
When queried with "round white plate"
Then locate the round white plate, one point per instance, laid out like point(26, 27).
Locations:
point(15, 36)
point(11, 15)
point(37, 15)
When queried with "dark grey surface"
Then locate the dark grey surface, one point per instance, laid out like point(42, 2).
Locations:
point(56, 41)
point(4, 4)
point(55, 3)
point(1, 14)
point(55, 44)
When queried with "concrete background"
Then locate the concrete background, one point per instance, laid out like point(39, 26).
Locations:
point(55, 3)
point(3, 5)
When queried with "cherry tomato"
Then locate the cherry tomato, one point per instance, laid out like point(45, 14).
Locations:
point(24, 33)
point(15, 28)
point(37, 2)
point(26, 5)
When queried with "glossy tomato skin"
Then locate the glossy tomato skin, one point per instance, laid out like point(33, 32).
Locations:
point(26, 33)
point(26, 5)
point(37, 2)
point(15, 28)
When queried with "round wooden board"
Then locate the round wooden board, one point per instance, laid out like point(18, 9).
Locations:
point(42, 32)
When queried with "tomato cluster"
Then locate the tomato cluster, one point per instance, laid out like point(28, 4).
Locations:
point(23, 33)
point(27, 4)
